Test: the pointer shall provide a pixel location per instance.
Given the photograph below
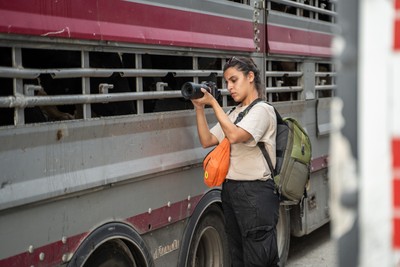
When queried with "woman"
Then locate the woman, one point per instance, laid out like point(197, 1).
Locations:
point(249, 200)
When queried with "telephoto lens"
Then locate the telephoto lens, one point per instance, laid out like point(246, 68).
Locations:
point(192, 90)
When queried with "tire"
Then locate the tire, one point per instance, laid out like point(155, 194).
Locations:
point(112, 244)
point(209, 246)
point(283, 234)
point(112, 253)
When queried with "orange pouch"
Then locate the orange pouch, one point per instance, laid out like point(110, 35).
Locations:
point(216, 164)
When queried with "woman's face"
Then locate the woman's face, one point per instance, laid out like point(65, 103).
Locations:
point(239, 85)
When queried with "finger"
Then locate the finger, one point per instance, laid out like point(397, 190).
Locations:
point(204, 90)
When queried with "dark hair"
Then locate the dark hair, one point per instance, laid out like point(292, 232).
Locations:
point(246, 65)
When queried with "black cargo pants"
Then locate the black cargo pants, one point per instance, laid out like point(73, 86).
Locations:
point(251, 210)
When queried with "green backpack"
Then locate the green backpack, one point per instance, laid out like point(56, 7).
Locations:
point(293, 156)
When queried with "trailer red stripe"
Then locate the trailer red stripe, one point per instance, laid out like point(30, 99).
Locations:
point(163, 216)
point(290, 41)
point(319, 163)
point(48, 255)
point(52, 254)
point(133, 22)
point(396, 192)
point(85, 29)
point(151, 24)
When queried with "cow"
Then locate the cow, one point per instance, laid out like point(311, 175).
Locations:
point(46, 60)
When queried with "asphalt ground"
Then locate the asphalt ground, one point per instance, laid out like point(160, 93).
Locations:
point(314, 250)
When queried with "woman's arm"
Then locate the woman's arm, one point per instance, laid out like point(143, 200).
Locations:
point(232, 132)
point(207, 139)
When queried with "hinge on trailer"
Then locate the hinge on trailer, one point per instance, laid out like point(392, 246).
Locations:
point(259, 4)
point(258, 9)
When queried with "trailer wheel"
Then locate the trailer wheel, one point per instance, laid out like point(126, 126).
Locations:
point(112, 244)
point(209, 246)
point(283, 234)
point(112, 253)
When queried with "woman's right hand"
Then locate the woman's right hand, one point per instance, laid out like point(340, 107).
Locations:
point(207, 99)
point(200, 103)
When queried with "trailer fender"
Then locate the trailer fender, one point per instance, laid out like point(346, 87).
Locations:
point(117, 239)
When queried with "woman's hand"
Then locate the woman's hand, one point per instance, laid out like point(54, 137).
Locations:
point(207, 99)
point(206, 138)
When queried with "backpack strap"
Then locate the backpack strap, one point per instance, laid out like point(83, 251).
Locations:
point(266, 156)
point(261, 145)
point(244, 112)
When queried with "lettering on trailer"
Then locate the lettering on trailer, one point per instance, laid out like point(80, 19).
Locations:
point(163, 250)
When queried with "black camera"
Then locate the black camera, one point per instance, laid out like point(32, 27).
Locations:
point(192, 90)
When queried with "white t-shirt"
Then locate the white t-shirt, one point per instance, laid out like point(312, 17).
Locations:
point(247, 161)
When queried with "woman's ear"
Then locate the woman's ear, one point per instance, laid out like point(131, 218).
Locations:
point(250, 76)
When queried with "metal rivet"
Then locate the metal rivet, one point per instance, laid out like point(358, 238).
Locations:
point(64, 257)
point(149, 211)
point(169, 204)
point(64, 239)
point(188, 198)
point(41, 256)
point(169, 219)
point(31, 249)
point(189, 206)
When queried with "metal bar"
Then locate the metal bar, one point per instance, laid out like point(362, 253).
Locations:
point(86, 108)
point(18, 87)
point(195, 63)
point(9, 72)
point(325, 74)
point(196, 73)
point(142, 72)
point(269, 81)
point(18, 73)
point(306, 7)
point(284, 89)
point(21, 101)
point(78, 73)
point(283, 73)
point(326, 87)
point(139, 84)
point(224, 92)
